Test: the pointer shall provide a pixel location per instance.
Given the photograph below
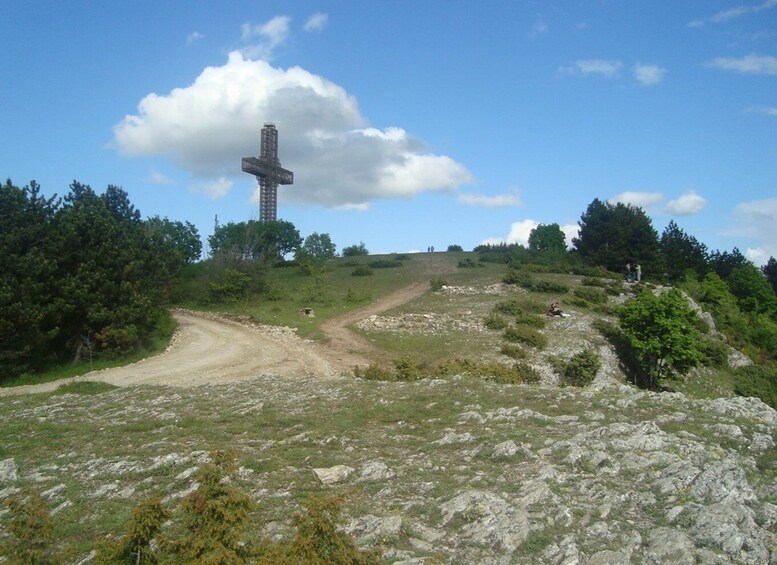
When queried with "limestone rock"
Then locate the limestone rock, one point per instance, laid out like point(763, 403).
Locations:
point(9, 472)
point(332, 475)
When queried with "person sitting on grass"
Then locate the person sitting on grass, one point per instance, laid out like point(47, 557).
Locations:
point(555, 309)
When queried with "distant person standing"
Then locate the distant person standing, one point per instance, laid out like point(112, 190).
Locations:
point(638, 272)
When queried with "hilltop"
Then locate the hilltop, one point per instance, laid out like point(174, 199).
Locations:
point(457, 470)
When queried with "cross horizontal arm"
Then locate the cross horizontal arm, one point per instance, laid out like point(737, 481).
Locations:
point(261, 168)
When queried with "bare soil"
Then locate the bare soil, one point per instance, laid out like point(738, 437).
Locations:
point(215, 349)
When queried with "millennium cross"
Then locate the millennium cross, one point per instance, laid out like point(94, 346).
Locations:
point(268, 172)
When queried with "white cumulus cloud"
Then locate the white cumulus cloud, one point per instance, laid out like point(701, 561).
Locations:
point(206, 127)
point(749, 64)
point(686, 204)
point(520, 231)
point(648, 75)
point(756, 220)
point(511, 199)
point(214, 189)
point(644, 200)
point(605, 68)
point(262, 39)
point(316, 22)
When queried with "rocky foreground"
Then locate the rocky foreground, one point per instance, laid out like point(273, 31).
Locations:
point(458, 470)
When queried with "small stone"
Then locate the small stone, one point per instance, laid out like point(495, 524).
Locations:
point(9, 472)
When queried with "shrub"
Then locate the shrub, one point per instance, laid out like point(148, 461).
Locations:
point(581, 369)
point(373, 372)
point(437, 283)
point(713, 353)
point(135, 545)
point(549, 287)
point(758, 381)
point(320, 537)
point(355, 250)
point(510, 307)
point(408, 370)
point(518, 277)
point(495, 322)
point(29, 530)
point(452, 248)
point(467, 264)
point(362, 271)
point(530, 375)
point(513, 352)
point(384, 264)
point(592, 295)
point(527, 335)
point(531, 320)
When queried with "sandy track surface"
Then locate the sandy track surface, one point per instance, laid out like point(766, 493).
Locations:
point(215, 349)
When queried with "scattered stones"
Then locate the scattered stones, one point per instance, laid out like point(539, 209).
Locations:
point(9, 472)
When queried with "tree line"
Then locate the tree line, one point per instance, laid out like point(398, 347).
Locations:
point(82, 276)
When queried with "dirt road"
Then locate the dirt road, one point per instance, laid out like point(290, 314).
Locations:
point(214, 349)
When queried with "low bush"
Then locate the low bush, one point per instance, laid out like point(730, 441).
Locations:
point(527, 335)
point(757, 380)
point(437, 283)
point(510, 307)
point(714, 353)
point(581, 369)
point(374, 372)
point(408, 370)
point(592, 295)
point(518, 277)
point(28, 532)
point(495, 322)
point(468, 264)
point(549, 287)
point(531, 320)
point(513, 351)
point(362, 271)
point(384, 264)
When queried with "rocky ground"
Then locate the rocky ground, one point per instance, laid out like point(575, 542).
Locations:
point(457, 471)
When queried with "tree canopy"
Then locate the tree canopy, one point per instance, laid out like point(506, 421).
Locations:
point(682, 252)
point(254, 241)
point(612, 235)
point(79, 276)
point(661, 330)
point(547, 238)
point(319, 246)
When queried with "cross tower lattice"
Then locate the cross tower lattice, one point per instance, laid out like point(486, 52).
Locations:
point(268, 172)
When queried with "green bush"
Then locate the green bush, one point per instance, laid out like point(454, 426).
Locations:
point(518, 277)
point(468, 264)
point(713, 353)
point(592, 295)
point(408, 370)
point(453, 248)
point(361, 271)
point(513, 351)
point(384, 264)
point(581, 369)
point(495, 322)
point(28, 531)
point(374, 372)
point(549, 287)
point(510, 307)
point(757, 380)
point(527, 335)
point(531, 320)
point(437, 283)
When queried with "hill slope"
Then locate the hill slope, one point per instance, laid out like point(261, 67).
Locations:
point(461, 470)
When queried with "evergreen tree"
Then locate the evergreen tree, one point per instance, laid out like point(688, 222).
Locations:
point(724, 262)
point(770, 272)
point(613, 235)
point(682, 252)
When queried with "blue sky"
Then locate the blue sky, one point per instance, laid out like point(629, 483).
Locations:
point(407, 123)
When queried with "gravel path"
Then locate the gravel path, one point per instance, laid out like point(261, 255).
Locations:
point(215, 349)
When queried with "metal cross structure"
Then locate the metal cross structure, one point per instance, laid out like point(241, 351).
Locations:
point(268, 172)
